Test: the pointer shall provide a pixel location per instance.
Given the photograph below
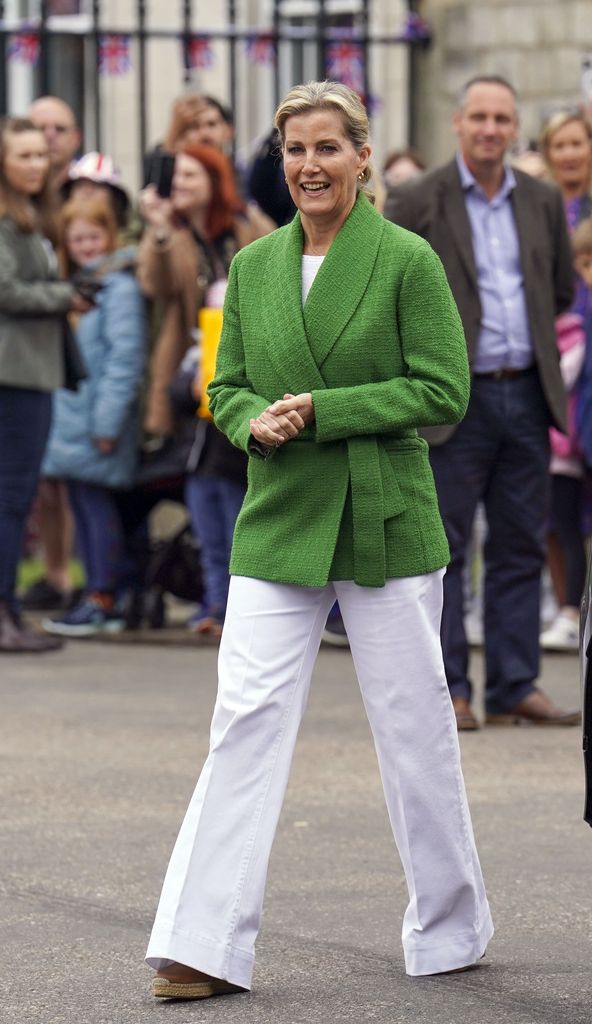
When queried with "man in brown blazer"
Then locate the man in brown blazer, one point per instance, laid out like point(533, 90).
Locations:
point(502, 238)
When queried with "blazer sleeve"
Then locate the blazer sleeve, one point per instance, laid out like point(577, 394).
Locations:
point(435, 389)
point(232, 401)
point(20, 297)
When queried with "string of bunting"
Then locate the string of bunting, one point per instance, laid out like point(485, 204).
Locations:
point(24, 47)
point(198, 52)
point(114, 55)
point(261, 48)
point(344, 62)
point(345, 55)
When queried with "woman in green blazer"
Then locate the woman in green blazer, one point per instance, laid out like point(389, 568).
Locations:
point(340, 338)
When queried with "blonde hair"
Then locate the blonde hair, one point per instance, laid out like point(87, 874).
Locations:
point(559, 120)
point(303, 99)
point(581, 240)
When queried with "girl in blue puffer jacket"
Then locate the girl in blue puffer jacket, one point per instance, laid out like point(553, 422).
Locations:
point(93, 443)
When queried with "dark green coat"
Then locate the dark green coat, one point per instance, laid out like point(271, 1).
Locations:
point(380, 345)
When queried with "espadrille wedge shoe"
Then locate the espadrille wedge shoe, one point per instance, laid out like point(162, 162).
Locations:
point(181, 982)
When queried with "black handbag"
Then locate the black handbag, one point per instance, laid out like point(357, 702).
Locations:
point(174, 567)
point(74, 369)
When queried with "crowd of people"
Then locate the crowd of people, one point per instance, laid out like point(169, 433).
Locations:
point(136, 288)
point(384, 365)
point(119, 287)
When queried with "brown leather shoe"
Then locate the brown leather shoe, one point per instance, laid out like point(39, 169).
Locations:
point(465, 719)
point(18, 637)
point(181, 982)
point(535, 709)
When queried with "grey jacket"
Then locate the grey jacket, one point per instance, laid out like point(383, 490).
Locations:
point(32, 304)
point(433, 206)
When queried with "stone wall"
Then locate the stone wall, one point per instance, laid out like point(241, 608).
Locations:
point(537, 44)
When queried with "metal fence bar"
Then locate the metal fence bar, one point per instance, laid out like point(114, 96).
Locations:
point(319, 34)
point(412, 81)
point(233, 83)
point(96, 31)
point(9, 27)
point(321, 40)
point(285, 34)
point(276, 67)
point(4, 65)
point(142, 79)
point(43, 65)
point(186, 41)
point(365, 48)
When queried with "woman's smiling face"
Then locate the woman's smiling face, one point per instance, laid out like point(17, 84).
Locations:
point(322, 166)
point(570, 155)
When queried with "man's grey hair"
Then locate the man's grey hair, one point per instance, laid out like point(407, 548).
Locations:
point(484, 80)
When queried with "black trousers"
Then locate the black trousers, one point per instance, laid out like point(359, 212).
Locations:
point(498, 455)
point(25, 418)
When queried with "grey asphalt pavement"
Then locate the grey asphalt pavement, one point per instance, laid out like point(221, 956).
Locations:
point(100, 746)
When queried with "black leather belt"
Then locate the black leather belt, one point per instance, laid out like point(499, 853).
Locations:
point(506, 373)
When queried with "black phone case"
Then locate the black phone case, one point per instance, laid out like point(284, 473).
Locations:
point(159, 168)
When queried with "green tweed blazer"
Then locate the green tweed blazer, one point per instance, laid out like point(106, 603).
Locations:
point(380, 345)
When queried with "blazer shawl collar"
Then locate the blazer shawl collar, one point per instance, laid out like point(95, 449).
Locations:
point(342, 278)
point(298, 340)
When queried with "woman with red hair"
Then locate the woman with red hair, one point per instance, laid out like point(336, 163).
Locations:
point(183, 261)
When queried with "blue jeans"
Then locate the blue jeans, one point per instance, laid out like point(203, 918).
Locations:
point(498, 455)
point(214, 504)
point(99, 535)
point(25, 418)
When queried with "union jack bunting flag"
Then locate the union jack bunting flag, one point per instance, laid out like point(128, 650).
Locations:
point(415, 30)
point(24, 47)
point(345, 63)
point(114, 54)
point(373, 103)
point(198, 52)
point(261, 49)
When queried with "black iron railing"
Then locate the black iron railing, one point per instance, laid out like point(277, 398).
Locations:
point(321, 33)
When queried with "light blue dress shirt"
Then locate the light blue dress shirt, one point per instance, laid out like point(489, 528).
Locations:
point(504, 337)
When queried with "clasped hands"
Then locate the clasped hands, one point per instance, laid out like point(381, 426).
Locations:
point(283, 420)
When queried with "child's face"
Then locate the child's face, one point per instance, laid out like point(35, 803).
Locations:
point(583, 266)
point(86, 241)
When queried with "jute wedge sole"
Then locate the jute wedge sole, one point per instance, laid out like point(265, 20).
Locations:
point(162, 988)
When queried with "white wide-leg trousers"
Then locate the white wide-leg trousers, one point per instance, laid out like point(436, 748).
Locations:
point(210, 907)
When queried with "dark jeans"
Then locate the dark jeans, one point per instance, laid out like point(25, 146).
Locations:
point(25, 418)
point(498, 455)
point(99, 535)
point(214, 504)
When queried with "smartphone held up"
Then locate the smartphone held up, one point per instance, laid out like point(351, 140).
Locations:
point(159, 168)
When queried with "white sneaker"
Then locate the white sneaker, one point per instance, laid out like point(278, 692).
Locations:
point(562, 635)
